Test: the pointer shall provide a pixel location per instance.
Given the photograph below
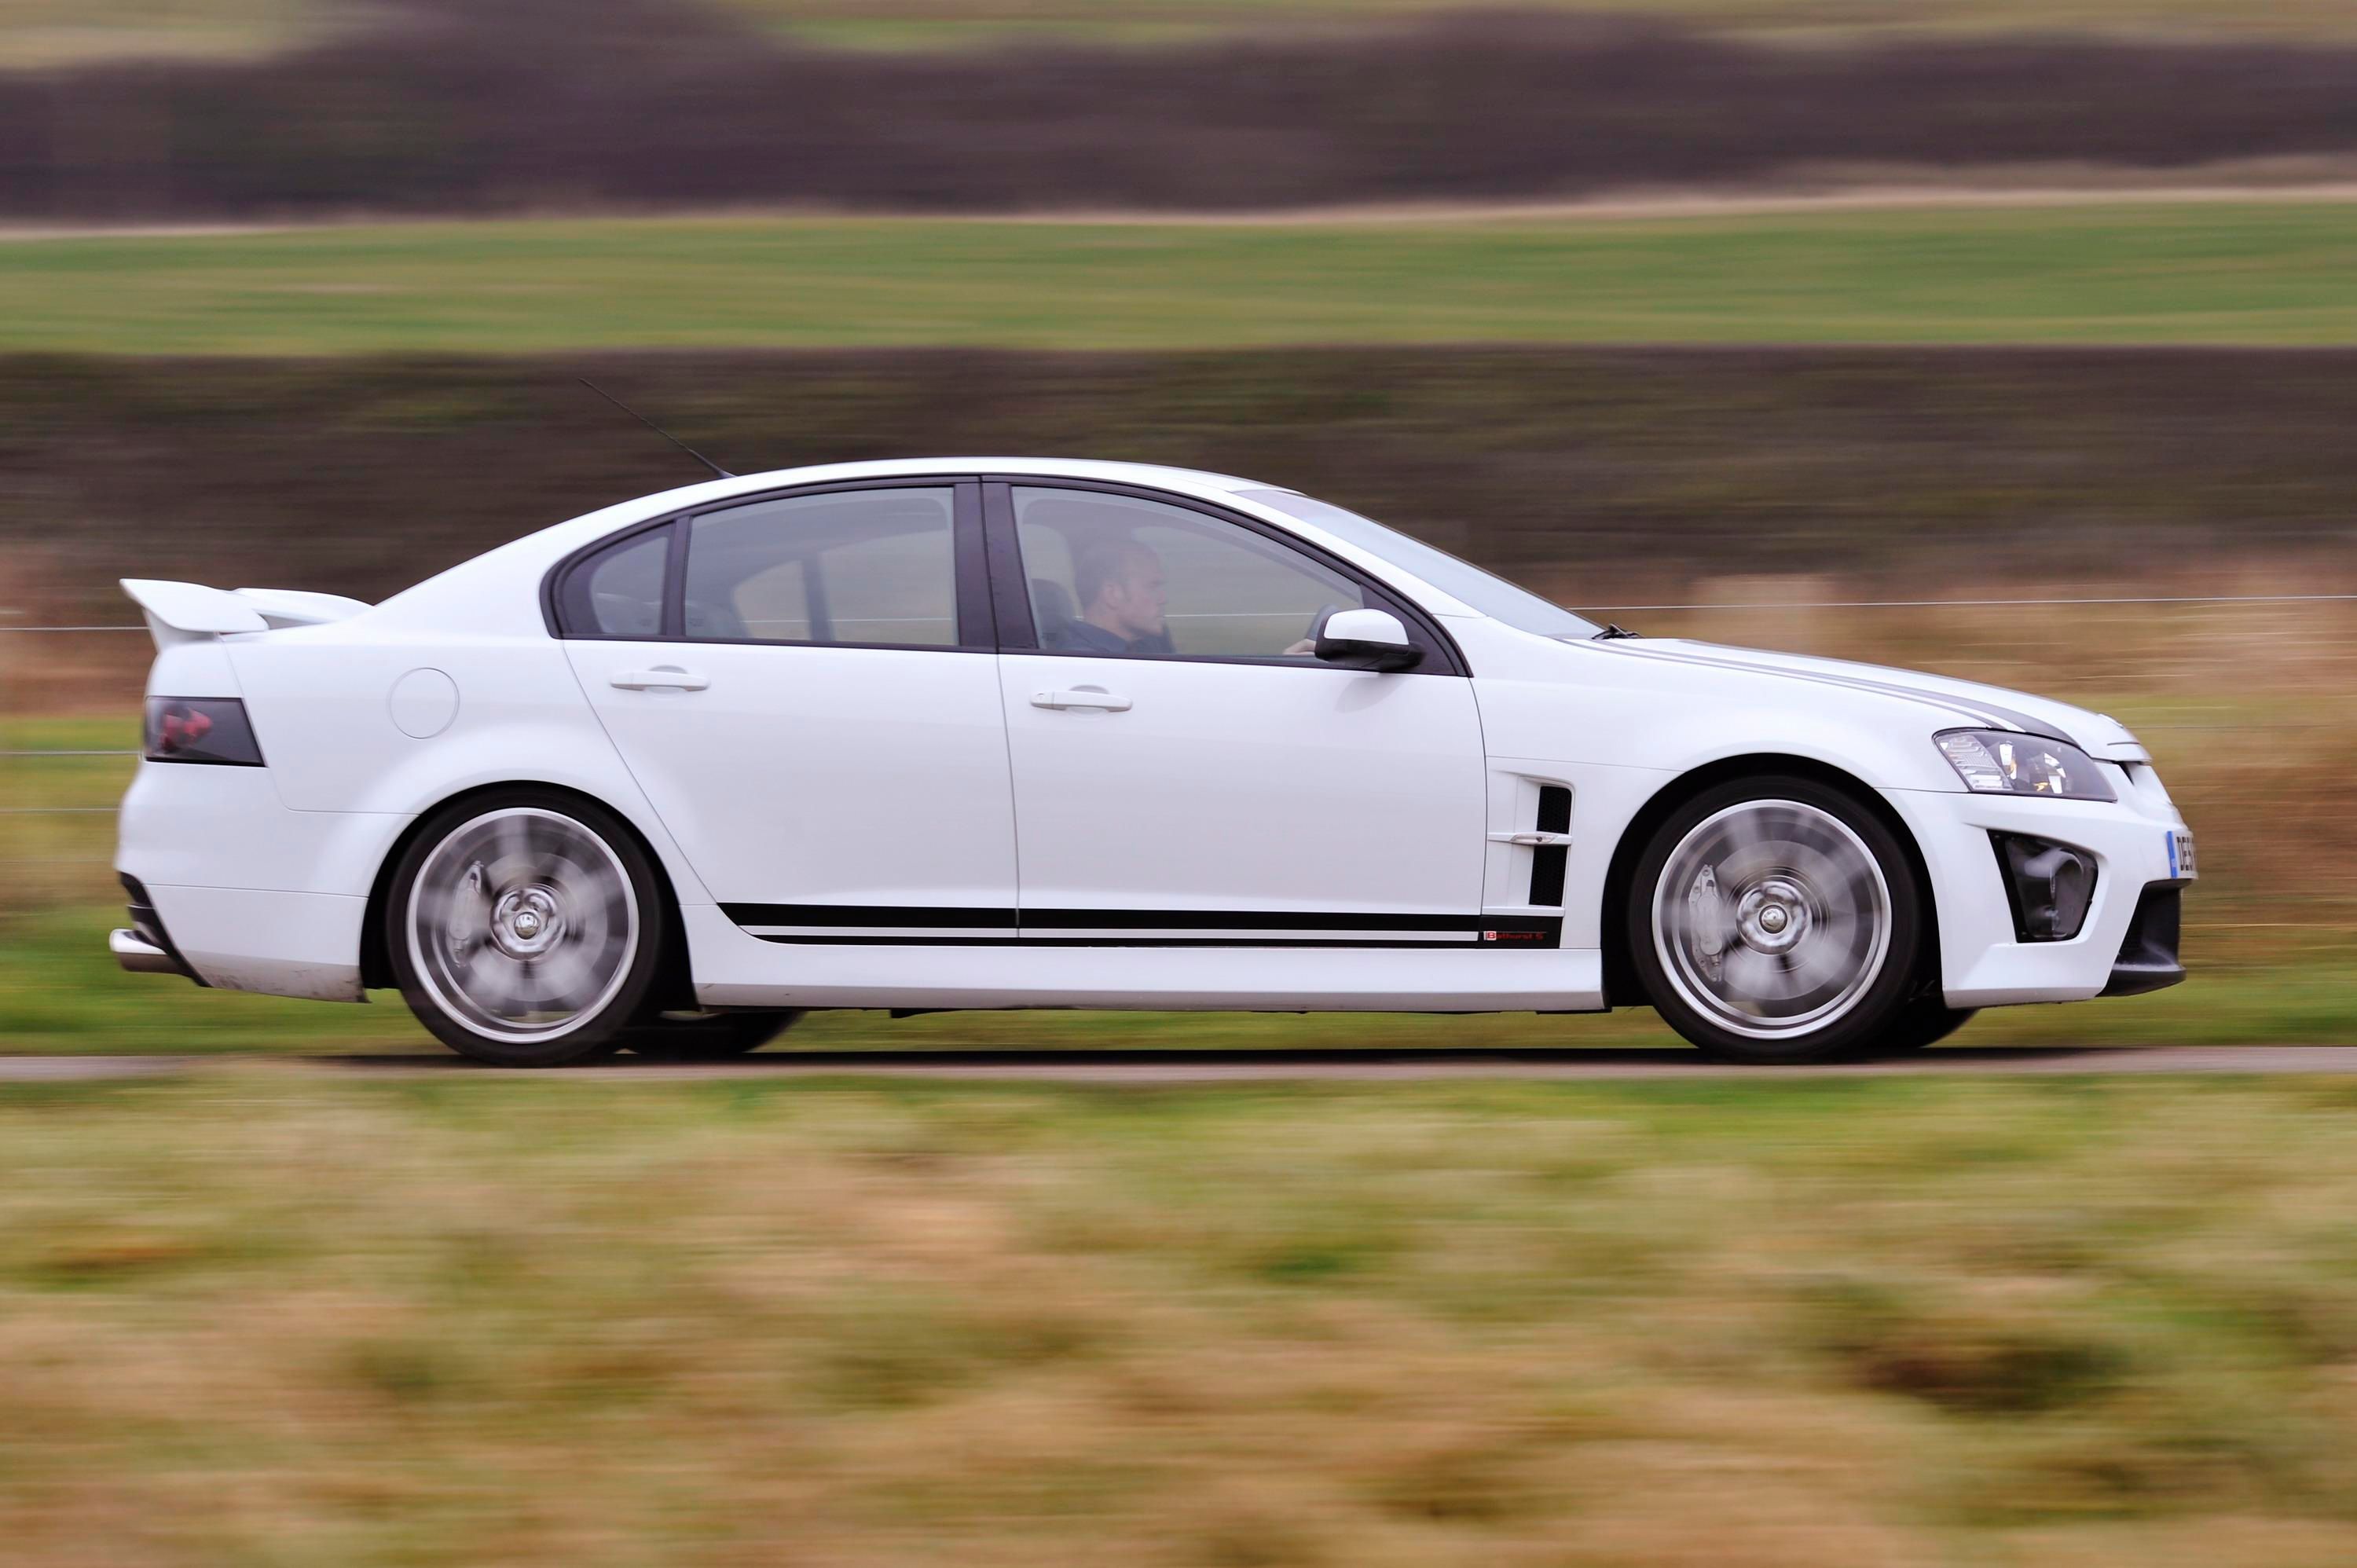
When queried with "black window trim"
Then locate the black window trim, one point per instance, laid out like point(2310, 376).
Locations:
point(974, 609)
point(993, 599)
point(1011, 595)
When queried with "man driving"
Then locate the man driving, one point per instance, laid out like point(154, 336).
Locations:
point(1120, 585)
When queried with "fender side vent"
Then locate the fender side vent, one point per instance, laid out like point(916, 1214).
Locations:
point(1547, 860)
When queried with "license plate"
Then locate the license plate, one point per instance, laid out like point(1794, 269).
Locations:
point(2180, 855)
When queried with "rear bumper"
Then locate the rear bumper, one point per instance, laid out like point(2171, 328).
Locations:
point(141, 957)
point(242, 939)
point(146, 948)
point(236, 891)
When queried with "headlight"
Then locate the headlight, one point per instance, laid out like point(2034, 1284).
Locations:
point(2000, 762)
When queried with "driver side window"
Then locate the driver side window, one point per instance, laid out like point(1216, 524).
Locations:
point(1120, 577)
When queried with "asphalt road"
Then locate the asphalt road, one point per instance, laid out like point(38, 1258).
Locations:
point(1151, 1067)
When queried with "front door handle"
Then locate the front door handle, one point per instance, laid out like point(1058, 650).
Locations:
point(661, 678)
point(1083, 697)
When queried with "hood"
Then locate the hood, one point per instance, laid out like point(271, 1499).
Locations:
point(1963, 703)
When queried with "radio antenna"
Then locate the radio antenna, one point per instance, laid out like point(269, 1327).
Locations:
point(657, 429)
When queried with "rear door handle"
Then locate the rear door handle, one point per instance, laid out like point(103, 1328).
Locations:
point(661, 678)
point(1085, 697)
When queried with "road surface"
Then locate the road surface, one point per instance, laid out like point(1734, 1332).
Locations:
point(1151, 1067)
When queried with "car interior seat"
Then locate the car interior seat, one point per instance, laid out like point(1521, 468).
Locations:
point(1051, 606)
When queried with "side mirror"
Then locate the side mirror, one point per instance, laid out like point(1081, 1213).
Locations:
point(1366, 640)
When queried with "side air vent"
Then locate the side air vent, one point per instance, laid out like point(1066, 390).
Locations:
point(1548, 860)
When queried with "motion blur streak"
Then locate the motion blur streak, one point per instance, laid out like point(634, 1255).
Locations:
point(1949, 418)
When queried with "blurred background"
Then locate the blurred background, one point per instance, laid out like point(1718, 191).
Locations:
point(2015, 340)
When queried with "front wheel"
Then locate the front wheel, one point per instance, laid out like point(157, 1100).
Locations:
point(525, 928)
point(1775, 919)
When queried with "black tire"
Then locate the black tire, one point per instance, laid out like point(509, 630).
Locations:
point(502, 885)
point(1923, 1024)
point(1836, 883)
point(710, 1037)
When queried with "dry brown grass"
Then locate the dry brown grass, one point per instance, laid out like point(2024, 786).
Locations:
point(255, 1317)
point(2250, 708)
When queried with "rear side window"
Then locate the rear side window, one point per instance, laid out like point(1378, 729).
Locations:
point(855, 566)
point(619, 591)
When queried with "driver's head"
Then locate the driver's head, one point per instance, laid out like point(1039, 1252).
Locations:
point(1119, 584)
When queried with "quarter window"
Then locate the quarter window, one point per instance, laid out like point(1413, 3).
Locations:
point(619, 591)
point(855, 567)
point(1120, 575)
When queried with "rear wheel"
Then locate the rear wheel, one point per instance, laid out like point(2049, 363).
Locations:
point(1775, 921)
point(525, 928)
point(707, 1037)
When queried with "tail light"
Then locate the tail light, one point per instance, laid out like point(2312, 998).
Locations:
point(200, 729)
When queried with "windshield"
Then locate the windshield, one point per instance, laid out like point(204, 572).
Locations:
point(1492, 595)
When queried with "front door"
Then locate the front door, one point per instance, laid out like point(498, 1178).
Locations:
point(1187, 773)
point(804, 687)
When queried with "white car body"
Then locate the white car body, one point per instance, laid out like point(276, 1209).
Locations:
point(862, 827)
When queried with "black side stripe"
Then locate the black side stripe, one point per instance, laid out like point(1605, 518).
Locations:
point(870, 924)
point(868, 914)
point(1213, 921)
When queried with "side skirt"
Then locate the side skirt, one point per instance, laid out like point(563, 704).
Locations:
point(1190, 969)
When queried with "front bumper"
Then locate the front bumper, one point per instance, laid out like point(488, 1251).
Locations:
point(2148, 960)
point(2128, 942)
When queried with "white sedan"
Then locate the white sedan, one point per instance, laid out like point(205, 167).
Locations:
point(1001, 733)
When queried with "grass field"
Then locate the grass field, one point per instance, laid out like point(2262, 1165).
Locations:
point(2259, 272)
point(263, 1317)
point(61, 994)
point(927, 23)
point(37, 33)
point(2247, 707)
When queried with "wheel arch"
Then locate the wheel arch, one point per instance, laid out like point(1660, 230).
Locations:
point(1620, 984)
point(675, 985)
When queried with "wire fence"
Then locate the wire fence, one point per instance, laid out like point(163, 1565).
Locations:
point(26, 754)
point(1763, 604)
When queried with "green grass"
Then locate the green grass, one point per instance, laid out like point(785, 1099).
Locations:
point(2287, 982)
point(48, 33)
point(2272, 273)
point(927, 23)
point(61, 993)
point(39, 33)
point(260, 1317)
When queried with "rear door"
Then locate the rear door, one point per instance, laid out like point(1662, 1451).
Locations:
point(1187, 773)
point(804, 685)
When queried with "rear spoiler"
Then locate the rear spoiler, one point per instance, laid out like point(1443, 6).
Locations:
point(178, 612)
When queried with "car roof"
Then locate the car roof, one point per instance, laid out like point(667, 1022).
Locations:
point(470, 589)
point(1191, 481)
point(568, 536)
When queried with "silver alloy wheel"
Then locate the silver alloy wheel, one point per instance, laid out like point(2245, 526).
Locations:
point(1772, 919)
point(522, 924)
